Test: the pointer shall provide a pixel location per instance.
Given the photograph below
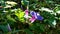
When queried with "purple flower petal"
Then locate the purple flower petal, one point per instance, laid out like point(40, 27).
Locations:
point(32, 13)
point(9, 27)
point(32, 19)
point(39, 18)
point(36, 15)
point(26, 12)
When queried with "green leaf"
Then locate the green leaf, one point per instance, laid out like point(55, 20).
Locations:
point(28, 31)
point(16, 31)
point(57, 8)
point(24, 2)
point(41, 27)
point(32, 27)
point(10, 18)
point(4, 28)
point(20, 14)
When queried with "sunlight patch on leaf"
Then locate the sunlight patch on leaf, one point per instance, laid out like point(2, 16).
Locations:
point(20, 14)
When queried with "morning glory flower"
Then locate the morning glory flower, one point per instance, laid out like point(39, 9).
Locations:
point(36, 16)
point(26, 13)
point(39, 17)
point(32, 19)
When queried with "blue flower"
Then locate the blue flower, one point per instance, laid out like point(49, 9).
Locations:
point(36, 15)
point(32, 13)
point(39, 17)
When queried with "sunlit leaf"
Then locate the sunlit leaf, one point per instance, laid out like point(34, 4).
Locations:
point(10, 18)
point(20, 14)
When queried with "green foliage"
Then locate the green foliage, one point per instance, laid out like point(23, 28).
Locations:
point(13, 15)
point(10, 18)
point(37, 27)
point(28, 31)
point(20, 14)
point(24, 2)
point(4, 28)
